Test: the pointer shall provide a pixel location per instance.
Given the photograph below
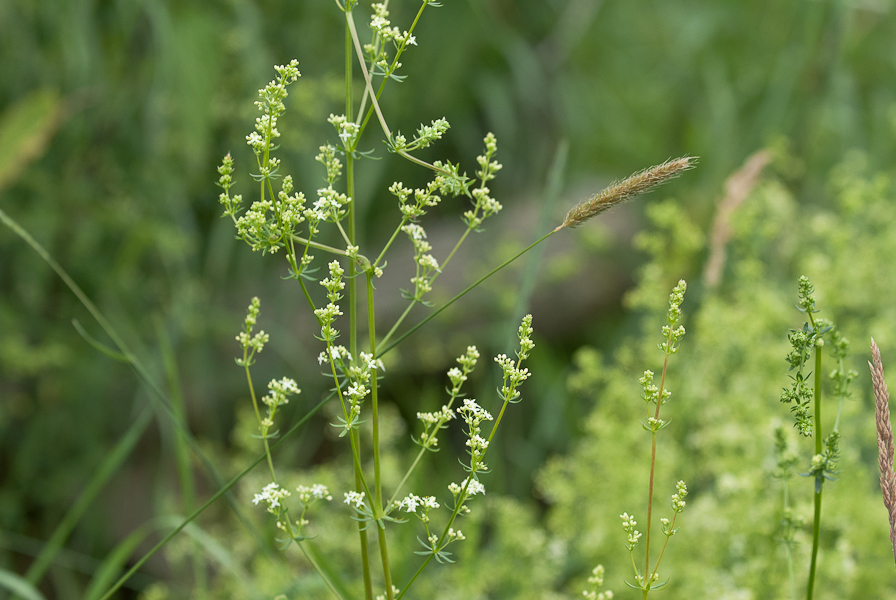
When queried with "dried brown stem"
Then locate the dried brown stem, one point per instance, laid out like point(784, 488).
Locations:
point(737, 187)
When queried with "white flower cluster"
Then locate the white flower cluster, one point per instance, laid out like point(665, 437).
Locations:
point(346, 130)
point(422, 197)
point(628, 524)
point(251, 343)
point(473, 487)
point(412, 502)
point(270, 102)
point(316, 492)
point(440, 416)
point(681, 491)
point(484, 206)
point(271, 494)
point(427, 265)
point(474, 415)
point(329, 207)
point(597, 581)
point(231, 205)
point(341, 356)
point(326, 315)
point(278, 395)
point(395, 592)
point(279, 391)
point(672, 335)
point(354, 499)
point(383, 31)
point(327, 157)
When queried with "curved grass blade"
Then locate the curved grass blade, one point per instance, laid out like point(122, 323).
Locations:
point(223, 490)
point(96, 344)
point(19, 586)
point(110, 466)
point(116, 559)
point(137, 365)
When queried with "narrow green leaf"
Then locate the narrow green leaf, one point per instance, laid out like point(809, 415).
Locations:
point(19, 586)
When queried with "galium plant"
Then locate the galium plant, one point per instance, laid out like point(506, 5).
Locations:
point(655, 396)
point(283, 221)
point(808, 342)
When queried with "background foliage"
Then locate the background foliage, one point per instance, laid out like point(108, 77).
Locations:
point(114, 114)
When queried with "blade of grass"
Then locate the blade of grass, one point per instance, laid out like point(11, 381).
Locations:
point(210, 501)
point(110, 466)
point(116, 559)
point(139, 368)
point(19, 586)
point(181, 452)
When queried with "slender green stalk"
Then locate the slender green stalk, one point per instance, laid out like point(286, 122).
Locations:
point(656, 415)
point(352, 285)
point(378, 481)
point(221, 492)
point(320, 571)
point(184, 468)
point(466, 290)
point(109, 467)
point(142, 373)
point(819, 482)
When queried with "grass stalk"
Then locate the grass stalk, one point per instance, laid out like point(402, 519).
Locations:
point(819, 480)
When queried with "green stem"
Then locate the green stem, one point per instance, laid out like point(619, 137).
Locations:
point(139, 368)
point(374, 398)
point(222, 491)
point(659, 403)
point(385, 79)
point(352, 286)
point(819, 479)
point(465, 291)
point(181, 450)
point(378, 481)
point(320, 571)
point(110, 466)
point(351, 232)
point(406, 475)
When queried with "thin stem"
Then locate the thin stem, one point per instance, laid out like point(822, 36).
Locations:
point(352, 286)
point(374, 398)
point(378, 481)
point(406, 475)
point(331, 249)
point(395, 233)
point(384, 555)
point(663, 549)
point(320, 571)
point(223, 490)
point(656, 416)
point(464, 292)
point(398, 322)
point(379, 92)
point(819, 479)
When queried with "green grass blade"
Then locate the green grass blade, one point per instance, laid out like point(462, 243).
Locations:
point(109, 467)
point(136, 364)
point(223, 490)
point(114, 562)
point(20, 586)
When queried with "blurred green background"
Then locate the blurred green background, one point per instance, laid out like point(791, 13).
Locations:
point(115, 113)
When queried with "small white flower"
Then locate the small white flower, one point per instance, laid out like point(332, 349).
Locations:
point(355, 499)
point(410, 503)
